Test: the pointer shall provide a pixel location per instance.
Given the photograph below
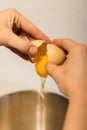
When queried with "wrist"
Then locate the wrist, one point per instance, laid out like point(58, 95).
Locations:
point(78, 92)
point(79, 97)
point(76, 117)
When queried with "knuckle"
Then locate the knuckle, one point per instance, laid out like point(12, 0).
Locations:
point(66, 39)
point(81, 48)
point(11, 10)
point(26, 47)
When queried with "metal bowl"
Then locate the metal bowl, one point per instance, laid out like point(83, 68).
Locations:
point(29, 111)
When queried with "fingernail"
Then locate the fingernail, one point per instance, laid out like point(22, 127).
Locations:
point(32, 50)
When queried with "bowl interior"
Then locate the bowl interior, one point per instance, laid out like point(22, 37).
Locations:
point(29, 111)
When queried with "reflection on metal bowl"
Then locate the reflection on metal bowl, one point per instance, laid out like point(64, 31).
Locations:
point(29, 111)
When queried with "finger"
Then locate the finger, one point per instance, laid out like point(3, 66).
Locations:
point(31, 29)
point(20, 44)
point(26, 36)
point(53, 70)
point(66, 44)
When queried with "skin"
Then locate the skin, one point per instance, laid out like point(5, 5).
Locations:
point(13, 28)
point(71, 78)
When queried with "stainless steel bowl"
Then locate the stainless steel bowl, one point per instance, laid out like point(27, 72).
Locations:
point(29, 111)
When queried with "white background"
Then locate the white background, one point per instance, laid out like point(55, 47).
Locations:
point(56, 18)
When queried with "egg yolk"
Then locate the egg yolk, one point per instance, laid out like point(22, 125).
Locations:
point(40, 60)
point(40, 66)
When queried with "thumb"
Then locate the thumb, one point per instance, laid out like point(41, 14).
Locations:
point(54, 71)
point(24, 46)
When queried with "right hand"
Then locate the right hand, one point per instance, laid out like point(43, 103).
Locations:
point(71, 76)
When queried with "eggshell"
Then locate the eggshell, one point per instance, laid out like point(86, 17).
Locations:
point(54, 53)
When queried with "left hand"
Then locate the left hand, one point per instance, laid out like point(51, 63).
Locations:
point(13, 28)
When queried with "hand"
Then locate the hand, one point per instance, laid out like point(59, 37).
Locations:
point(71, 76)
point(13, 28)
